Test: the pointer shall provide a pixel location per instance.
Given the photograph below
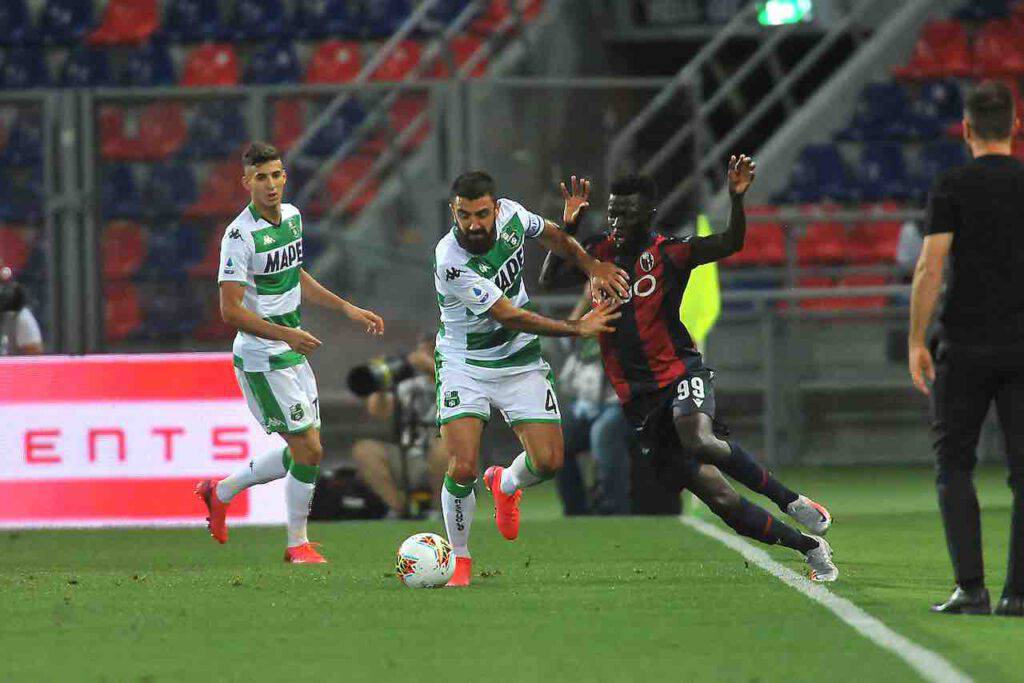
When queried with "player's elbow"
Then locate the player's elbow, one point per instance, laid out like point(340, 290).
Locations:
point(229, 314)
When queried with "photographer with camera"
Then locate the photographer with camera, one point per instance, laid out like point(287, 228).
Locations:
point(401, 390)
point(19, 330)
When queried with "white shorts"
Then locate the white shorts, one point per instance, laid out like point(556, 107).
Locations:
point(283, 401)
point(521, 397)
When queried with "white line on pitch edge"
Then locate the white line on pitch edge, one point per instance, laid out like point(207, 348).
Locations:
point(930, 665)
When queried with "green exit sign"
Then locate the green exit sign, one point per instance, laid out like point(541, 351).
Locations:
point(776, 12)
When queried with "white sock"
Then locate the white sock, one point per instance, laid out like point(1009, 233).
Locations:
point(297, 497)
point(259, 470)
point(519, 476)
point(458, 506)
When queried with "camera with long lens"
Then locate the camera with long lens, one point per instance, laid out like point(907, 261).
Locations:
point(379, 374)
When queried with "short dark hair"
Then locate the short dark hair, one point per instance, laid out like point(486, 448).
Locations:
point(259, 152)
point(635, 183)
point(473, 185)
point(990, 109)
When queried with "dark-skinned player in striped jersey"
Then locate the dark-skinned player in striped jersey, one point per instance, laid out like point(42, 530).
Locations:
point(666, 390)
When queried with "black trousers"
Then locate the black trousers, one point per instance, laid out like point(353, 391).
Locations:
point(968, 379)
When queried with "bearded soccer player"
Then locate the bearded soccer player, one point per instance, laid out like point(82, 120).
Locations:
point(262, 284)
point(488, 353)
point(666, 390)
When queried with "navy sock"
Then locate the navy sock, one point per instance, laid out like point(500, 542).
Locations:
point(744, 468)
point(755, 522)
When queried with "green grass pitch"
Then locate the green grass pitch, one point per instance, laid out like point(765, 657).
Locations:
point(598, 599)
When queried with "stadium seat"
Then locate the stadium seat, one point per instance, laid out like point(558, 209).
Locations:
point(149, 66)
point(462, 49)
point(123, 249)
point(822, 243)
point(259, 20)
point(212, 327)
point(941, 51)
point(274, 63)
point(122, 312)
point(222, 194)
point(765, 245)
point(65, 21)
point(156, 132)
point(862, 302)
point(331, 136)
point(873, 242)
point(126, 22)
point(997, 50)
point(317, 20)
point(499, 11)
point(165, 259)
point(936, 158)
point(169, 311)
point(403, 113)
point(211, 64)
point(752, 285)
point(819, 172)
point(22, 68)
point(22, 198)
point(24, 144)
point(191, 20)
point(883, 173)
point(217, 129)
point(818, 304)
point(335, 61)
point(381, 18)
point(86, 68)
point(205, 267)
point(940, 100)
point(980, 10)
point(15, 247)
point(346, 174)
point(289, 120)
point(402, 60)
point(15, 23)
point(881, 114)
point(170, 190)
point(445, 11)
point(120, 194)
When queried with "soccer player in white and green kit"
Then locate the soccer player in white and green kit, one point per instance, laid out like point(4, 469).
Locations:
point(262, 284)
point(488, 353)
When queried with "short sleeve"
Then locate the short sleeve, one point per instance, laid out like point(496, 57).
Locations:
point(468, 287)
point(942, 215)
point(27, 331)
point(533, 224)
point(677, 251)
point(235, 257)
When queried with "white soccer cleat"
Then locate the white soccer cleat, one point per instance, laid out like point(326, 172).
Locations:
point(813, 516)
point(823, 569)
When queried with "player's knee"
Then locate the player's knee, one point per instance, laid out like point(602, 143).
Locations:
point(462, 471)
point(549, 462)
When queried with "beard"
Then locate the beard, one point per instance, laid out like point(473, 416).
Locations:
point(477, 242)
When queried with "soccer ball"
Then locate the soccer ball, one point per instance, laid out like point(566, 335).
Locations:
point(425, 561)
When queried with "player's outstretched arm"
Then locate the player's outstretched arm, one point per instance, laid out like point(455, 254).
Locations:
point(597, 321)
point(725, 244)
point(316, 293)
point(238, 316)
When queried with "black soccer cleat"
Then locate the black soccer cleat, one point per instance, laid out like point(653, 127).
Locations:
point(1010, 606)
point(962, 601)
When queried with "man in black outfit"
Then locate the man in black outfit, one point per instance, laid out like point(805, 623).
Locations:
point(975, 215)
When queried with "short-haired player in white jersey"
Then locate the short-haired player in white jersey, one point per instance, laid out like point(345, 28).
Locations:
point(262, 284)
point(488, 353)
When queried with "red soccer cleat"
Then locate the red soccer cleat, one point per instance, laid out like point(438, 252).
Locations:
point(206, 491)
point(304, 554)
point(463, 573)
point(506, 507)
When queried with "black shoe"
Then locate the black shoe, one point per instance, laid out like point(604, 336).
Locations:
point(1010, 606)
point(965, 602)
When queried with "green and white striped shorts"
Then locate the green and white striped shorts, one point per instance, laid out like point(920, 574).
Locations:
point(283, 401)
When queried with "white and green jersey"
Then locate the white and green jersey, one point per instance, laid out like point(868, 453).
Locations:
point(468, 285)
point(267, 258)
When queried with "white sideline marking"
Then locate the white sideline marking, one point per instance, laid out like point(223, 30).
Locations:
point(930, 665)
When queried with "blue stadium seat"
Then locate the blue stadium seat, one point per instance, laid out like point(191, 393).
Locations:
point(15, 23)
point(86, 68)
point(446, 10)
point(217, 129)
point(942, 101)
point(170, 311)
point(149, 66)
point(172, 249)
point(381, 18)
point(334, 134)
point(23, 68)
point(980, 10)
point(936, 158)
point(188, 21)
point(24, 144)
point(883, 173)
point(881, 114)
point(326, 18)
point(819, 173)
point(275, 63)
point(259, 20)
point(23, 199)
point(66, 21)
point(121, 198)
point(171, 189)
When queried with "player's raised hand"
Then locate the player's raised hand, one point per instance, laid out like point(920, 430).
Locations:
point(608, 281)
point(741, 173)
point(373, 322)
point(922, 368)
point(577, 201)
point(302, 342)
point(598, 319)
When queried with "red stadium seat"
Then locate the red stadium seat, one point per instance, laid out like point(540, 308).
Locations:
point(158, 131)
point(346, 174)
point(874, 242)
point(402, 114)
point(15, 247)
point(123, 248)
point(211, 64)
point(222, 194)
point(862, 281)
point(335, 61)
point(399, 63)
point(822, 243)
point(289, 122)
point(941, 51)
point(499, 10)
point(764, 246)
point(126, 22)
point(997, 50)
point(122, 312)
point(462, 49)
point(818, 304)
point(206, 268)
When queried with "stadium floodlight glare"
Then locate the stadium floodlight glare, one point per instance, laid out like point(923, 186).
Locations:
point(777, 12)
